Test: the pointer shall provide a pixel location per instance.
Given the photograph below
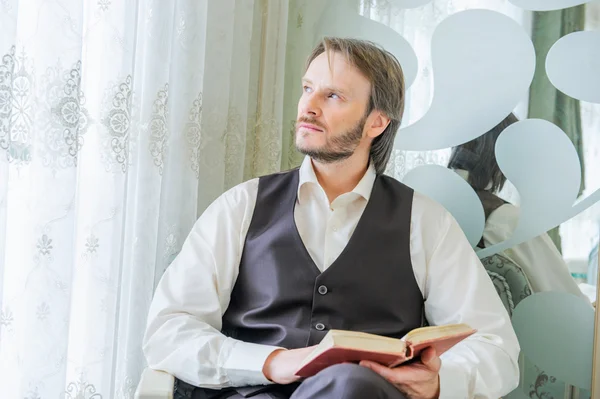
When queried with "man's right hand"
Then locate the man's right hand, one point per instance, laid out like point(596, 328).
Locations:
point(282, 363)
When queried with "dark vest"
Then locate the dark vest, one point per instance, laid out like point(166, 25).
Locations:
point(281, 298)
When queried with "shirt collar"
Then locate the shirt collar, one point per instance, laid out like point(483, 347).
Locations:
point(363, 188)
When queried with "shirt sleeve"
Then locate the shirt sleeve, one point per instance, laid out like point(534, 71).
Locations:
point(539, 258)
point(458, 290)
point(183, 334)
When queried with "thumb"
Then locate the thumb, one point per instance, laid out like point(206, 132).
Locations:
point(431, 360)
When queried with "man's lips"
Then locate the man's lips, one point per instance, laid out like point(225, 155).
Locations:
point(308, 126)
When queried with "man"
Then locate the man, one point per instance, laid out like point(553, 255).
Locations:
point(275, 262)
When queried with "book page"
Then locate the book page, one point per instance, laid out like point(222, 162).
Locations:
point(434, 332)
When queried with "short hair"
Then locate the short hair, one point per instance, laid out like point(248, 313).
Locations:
point(384, 72)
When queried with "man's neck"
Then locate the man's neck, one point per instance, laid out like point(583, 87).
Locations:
point(338, 178)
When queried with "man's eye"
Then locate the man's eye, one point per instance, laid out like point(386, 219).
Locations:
point(334, 96)
point(307, 89)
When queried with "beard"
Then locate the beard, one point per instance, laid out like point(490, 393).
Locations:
point(336, 148)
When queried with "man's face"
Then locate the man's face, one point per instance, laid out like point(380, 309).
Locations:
point(332, 109)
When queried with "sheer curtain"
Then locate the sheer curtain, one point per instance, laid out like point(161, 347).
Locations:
point(119, 123)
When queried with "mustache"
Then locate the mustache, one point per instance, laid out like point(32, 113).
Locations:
point(312, 121)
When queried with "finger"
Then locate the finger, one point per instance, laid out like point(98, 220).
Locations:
point(431, 360)
point(383, 371)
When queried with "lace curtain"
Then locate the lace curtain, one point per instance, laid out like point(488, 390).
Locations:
point(119, 123)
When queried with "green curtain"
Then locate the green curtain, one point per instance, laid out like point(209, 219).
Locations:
point(545, 101)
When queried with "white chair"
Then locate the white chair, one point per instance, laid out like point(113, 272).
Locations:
point(155, 384)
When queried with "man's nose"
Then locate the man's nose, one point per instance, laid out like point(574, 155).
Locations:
point(311, 106)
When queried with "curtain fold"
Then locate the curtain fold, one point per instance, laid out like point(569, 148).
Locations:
point(547, 102)
point(119, 123)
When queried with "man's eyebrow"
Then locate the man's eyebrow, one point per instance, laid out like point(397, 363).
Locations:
point(327, 88)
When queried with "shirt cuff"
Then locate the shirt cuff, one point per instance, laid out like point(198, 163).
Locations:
point(245, 362)
point(453, 381)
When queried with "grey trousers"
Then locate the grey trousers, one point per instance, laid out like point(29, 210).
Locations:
point(343, 381)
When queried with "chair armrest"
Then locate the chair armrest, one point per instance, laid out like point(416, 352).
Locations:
point(155, 384)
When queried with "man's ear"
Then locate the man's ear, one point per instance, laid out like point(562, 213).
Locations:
point(377, 123)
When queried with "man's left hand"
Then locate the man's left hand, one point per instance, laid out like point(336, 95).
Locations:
point(418, 380)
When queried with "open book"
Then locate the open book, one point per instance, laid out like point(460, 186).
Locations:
point(340, 346)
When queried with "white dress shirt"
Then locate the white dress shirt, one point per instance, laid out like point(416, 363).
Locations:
point(183, 334)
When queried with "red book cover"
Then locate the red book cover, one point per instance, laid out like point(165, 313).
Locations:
point(338, 354)
point(334, 355)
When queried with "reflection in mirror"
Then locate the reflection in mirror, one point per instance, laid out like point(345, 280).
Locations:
point(537, 257)
point(534, 281)
point(548, 181)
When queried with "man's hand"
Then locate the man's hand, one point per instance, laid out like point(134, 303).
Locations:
point(281, 364)
point(418, 380)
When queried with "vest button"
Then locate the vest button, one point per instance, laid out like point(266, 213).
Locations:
point(320, 326)
point(322, 290)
